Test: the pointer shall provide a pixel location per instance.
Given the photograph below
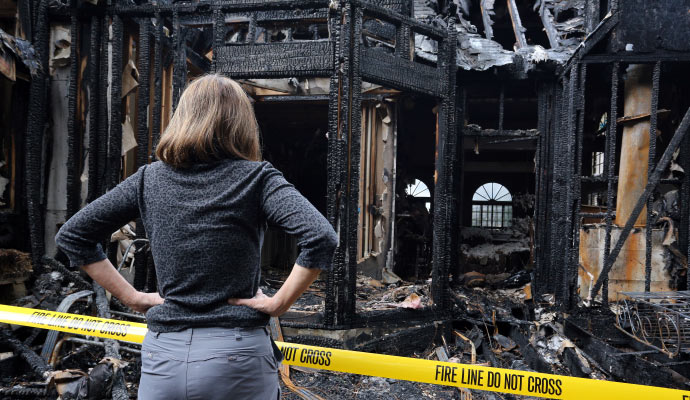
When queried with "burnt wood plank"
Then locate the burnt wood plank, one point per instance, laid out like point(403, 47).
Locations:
point(268, 59)
point(388, 70)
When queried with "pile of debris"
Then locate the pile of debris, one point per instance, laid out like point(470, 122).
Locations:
point(496, 323)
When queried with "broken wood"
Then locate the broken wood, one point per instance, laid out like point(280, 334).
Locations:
point(623, 366)
point(547, 21)
point(303, 393)
point(640, 117)
point(37, 364)
point(487, 10)
point(473, 355)
point(517, 24)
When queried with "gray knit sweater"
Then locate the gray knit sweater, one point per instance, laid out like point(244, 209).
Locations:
point(205, 225)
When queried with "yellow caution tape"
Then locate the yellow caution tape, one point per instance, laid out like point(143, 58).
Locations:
point(385, 366)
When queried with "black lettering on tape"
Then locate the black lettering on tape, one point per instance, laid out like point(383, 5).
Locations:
point(445, 373)
point(315, 357)
point(289, 353)
point(540, 385)
point(472, 377)
point(512, 381)
point(493, 379)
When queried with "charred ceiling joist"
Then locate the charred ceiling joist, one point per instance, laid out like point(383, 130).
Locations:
point(164, 29)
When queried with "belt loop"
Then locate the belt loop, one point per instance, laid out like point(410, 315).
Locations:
point(238, 336)
point(156, 334)
point(191, 334)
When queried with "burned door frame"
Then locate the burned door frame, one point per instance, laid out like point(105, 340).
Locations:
point(342, 58)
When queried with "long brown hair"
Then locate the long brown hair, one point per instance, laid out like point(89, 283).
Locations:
point(214, 120)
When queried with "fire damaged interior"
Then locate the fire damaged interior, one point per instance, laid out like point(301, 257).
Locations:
point(507, 178)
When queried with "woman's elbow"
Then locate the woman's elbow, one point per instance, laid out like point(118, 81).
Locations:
point(331, 240)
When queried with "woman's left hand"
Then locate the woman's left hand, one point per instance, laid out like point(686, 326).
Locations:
point(259, 302)
point(141, 301)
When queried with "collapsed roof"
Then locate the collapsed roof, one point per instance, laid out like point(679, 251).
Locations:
point(521, 33)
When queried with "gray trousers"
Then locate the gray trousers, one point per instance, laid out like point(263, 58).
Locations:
point(209, 363)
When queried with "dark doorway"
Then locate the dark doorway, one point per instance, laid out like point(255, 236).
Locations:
point(294, 141)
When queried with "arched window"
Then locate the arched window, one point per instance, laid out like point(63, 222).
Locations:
point(419, 190)
point(492, 206)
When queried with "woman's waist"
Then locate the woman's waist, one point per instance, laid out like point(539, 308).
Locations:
point(175, 317)
point(195, 344)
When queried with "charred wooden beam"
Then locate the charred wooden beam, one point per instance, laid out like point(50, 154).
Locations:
point(157, 86)
point(601, 31)
point(73, 129)
point(333, 165)
point(143, 98)
point(501, 107)
point(143, 92)
point(149, 9)
point(444, 257)
point(388, 15)
point(398, 73)
point(487, 11)
point(93, 85)
point(276, 59)
point(650, 162)
point(547, 21)
point(591, 15)
point(197, 60)
point(71, 275)
point(115, 142)
point(353, 130)
point(35, 130)
point(517, 24)
point(402, 42)
point(609, 165)
point(532, 357)
point(314, 13)
point(37, 364)
point(180, 67)
point(624, 367)
point(103, 113)
point(112, 346)
point(477, 131)
point(576, 187)
point(218, 36)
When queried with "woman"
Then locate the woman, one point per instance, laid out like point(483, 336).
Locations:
point(205, 207)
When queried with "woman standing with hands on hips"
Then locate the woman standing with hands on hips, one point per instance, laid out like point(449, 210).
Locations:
point(205, 206)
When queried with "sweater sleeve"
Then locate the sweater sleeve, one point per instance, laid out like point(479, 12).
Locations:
point(284, 206)
point(80, 237)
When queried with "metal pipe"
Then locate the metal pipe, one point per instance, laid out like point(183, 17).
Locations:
point(632, 171)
